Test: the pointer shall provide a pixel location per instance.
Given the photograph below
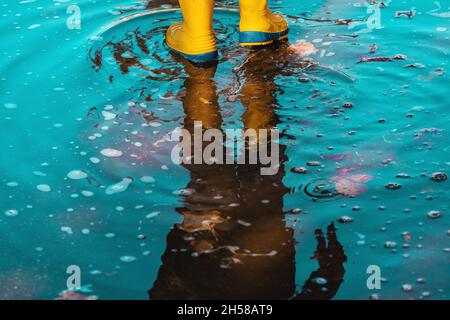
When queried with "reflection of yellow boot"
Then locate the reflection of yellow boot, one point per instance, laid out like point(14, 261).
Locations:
point(258, 25)
point(194, 37)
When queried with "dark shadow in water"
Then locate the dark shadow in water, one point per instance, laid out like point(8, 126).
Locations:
point(243, 250)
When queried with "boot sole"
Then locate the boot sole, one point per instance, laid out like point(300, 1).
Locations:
point(256, 38)
point(197, 58)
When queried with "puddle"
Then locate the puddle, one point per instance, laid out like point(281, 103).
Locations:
point(87, 177)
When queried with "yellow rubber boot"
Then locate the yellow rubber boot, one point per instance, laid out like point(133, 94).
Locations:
point(194, 37)
point(258, 25)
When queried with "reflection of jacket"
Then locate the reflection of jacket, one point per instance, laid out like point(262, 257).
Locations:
point(232, 252)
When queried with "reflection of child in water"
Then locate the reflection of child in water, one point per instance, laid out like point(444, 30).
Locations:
point(233, 241)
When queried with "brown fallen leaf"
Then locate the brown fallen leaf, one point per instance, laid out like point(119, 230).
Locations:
point(302, 48)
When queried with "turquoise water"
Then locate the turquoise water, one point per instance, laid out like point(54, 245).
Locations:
point(375, 132)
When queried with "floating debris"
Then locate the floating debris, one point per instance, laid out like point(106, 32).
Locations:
point(434, 214)
point(378, 59)
point(313, 163)
point(345, 219)
point(407, 287)
point(347, 105)
point(302, 48)
point(382, 59)
point(439, 176)
point(409, 14)
point(390, 244)
point(400, 57)
point(393, 186)
point(300, 170)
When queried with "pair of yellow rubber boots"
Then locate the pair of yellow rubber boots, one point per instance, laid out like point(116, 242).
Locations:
point(194, 37)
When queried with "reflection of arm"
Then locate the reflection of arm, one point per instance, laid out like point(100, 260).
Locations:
point(331, 260)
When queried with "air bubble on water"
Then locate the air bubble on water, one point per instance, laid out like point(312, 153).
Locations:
point(152, 215)
point(67, 230)
point(109, 235)
point(77, 175)
point(87, 193)
point(44, 187)
point(95, 272)
point(108, 115)
point(85, 231)
point(39, 173)
point(127, 259)
point(119, 187)
point(12, 184)
point(94, 160)
point(407, 287)
point(10, 105)
point(111, 153)
point(11, 213)
point(320, 281)
point(147, 179)
point(184, 192)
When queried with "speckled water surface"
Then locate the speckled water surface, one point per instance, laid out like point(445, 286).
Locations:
point(86, 176)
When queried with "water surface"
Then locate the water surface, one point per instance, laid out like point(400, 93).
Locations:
point(87, 180)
